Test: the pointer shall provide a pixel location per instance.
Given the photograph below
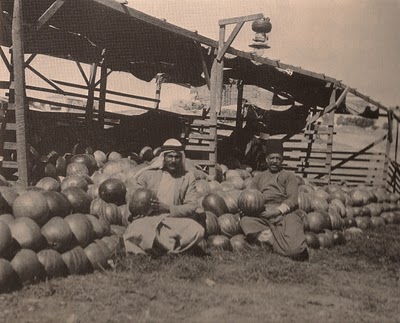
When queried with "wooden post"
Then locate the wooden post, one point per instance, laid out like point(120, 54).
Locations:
point(220, 71)
point(388, 145)
point(21, 105)
point(159, 80)
point(213, 116)
point(239, 119)
point(102, 98)
point(90, 100)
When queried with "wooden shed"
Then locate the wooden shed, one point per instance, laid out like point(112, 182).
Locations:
point(112, 37)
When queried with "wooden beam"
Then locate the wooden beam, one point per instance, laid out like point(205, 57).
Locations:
point(204, 65)
point(44, 78)
point(30, 59)
point(328, 108)
point(344, 161)
point(82, 72)
point(44, 18)
point(5, 60)
point(21, 105)
point(235, 20)
point(229, 41)
point(99, 81)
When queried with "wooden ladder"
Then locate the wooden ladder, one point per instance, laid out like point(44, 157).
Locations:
point(8, 145)
point(200, 143)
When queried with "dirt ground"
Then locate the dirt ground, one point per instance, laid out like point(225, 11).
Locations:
point(358, 282)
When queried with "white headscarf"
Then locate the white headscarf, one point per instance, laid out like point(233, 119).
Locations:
point(170, 145)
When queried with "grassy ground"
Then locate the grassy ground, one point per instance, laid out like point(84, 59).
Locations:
point(358, 282)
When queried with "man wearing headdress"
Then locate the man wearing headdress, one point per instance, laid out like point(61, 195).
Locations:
point(279, 225)
point(171, 227)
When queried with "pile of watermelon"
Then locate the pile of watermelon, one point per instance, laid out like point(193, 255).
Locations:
point(330, 214)
point(71, 219)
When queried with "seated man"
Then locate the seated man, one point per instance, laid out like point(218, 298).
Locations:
point(171, 226)
point(278, 225)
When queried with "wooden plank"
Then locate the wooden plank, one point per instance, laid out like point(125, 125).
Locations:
point(20, 95)
point(11, 126)
point(235, 20)
point(200, 136)
point(9, 164)
point(201, 122)
point(209, 148)
point(10, 145)
point(202, 162)
point(44, 18)
point(219, 81)
point(4, 84)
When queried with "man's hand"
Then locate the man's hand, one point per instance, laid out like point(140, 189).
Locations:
point(270, 212)
point(159, 207)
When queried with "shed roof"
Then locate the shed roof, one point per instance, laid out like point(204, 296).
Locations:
point(144, 46)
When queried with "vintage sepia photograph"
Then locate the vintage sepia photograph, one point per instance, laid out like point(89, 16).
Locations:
point(199, 161)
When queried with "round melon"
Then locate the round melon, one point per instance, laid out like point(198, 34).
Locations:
point(214, 186)
point(27, 233)
point(203, 187)
point(101, 227)
point(79, 199)
point(325, 241)
point(214, 203)
point(9, 279)
point(227, 186)
point(97, 257)
point(77, 262)
point(363, 222)
point(231, 199)
point(58, 204)
point(27, 266)
point(339, 238)
point(113, 190)
point(113, 243)
point(58, 234)
point(81, 227)
point(212, 226)
point(74, 181)
point(140, 202)
point(5, 239)
point(251, 202)
point(317, 222)
point(237, 182)
point(100, 157)
point(76, 168)
point(319, 204)
point(53, 264)
point(249, 184)
point(7, 197)
point(239, 243)
point(312, 240)
point(7, 218)
point(49, 184)
point(108, 212)
point(229, 225)
point(88, 160)
point(33, 205)
point(219, 242)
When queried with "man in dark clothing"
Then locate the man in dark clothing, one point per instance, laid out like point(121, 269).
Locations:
point(279, 225)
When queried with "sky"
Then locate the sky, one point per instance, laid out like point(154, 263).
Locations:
point(353, 41)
